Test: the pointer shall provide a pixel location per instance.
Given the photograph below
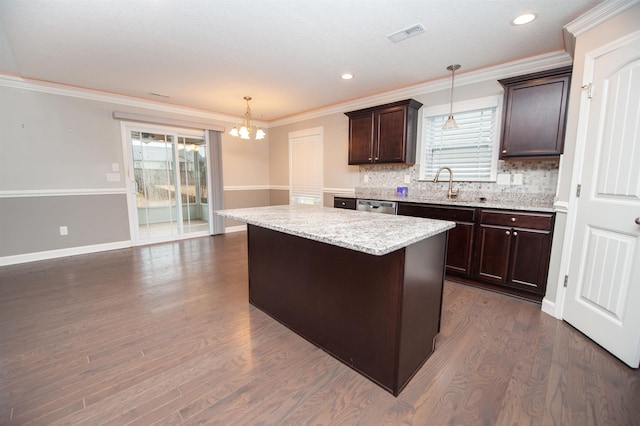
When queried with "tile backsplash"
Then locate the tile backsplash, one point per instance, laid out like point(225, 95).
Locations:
point(539, 181)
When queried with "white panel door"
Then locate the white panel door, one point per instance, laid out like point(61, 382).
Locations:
point(305, 166)
point(603, 295)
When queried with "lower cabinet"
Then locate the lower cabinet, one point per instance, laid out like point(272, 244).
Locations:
point(460, 239)
point(494, 248)
point(505, 250)
point(514, 249)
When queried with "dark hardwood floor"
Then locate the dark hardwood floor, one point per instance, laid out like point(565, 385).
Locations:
point(164, 335)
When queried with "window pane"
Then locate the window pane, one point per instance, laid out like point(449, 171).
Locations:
point(193, 184)
point(467, 150)
point(154, 172)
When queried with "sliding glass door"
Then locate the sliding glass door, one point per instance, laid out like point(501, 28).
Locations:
point(193, 184)
point(169, 188)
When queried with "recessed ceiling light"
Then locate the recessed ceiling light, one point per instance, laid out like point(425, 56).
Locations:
point(346, 76)
point(525, 18)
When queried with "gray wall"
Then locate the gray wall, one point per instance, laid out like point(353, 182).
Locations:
point(56, 147)
point(32, 224)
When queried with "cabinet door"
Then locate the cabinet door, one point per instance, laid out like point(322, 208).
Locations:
point(389, 145)
point(530, 260)
point(493, 255)
point(460, 243)
point(361, 139)
point(534, 119)
point(460, 239)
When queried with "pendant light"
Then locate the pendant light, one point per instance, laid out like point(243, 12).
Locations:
point(245, 128)
point(451, 123)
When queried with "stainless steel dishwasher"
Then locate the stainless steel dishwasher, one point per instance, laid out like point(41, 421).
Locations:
point(376, 206)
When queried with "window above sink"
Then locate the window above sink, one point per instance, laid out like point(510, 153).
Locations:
point(471, 150)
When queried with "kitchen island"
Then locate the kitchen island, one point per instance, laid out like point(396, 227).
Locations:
point(364, 287)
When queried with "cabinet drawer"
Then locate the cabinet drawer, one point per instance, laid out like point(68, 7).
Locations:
point(344, 203)
point(455, 214)
point(517, 219)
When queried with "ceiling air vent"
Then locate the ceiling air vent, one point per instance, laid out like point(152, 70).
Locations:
point(404, 34)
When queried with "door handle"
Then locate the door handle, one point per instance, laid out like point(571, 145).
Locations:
point(638, 220)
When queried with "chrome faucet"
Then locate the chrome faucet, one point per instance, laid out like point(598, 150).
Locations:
point(451, 193)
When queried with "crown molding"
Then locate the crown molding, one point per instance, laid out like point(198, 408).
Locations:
point(120, 100)
point(592, 18)
point(510, 69)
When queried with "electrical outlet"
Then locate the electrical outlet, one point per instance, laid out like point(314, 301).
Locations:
point(504, 179)
point(113, 177)
point(407, 178)
point(64, 230)
point(115, 167)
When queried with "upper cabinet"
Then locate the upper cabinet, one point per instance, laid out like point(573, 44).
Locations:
point(535, 107)
point(384, 134)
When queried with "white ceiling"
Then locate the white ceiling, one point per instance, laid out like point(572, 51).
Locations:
point(287, 54)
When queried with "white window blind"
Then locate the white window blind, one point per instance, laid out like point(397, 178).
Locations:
point(305, 165)
point(470, 150)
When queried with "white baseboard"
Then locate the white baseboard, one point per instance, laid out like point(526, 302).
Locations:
point(238, 228)
point(549, 307)
point(54, 254)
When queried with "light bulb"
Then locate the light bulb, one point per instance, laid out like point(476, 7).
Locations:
point(450, 124)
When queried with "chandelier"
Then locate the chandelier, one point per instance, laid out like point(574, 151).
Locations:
point(245, 128)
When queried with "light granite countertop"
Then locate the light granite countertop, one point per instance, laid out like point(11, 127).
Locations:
point(372, 233)
point(527, 202)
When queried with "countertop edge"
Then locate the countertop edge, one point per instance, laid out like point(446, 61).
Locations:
point(456, 203)
point(442, 226)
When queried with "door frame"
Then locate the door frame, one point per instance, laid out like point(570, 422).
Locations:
point(584, 108)
point(126, 127)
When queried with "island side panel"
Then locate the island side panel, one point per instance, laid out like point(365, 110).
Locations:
point(422, 304)
point(344, 301)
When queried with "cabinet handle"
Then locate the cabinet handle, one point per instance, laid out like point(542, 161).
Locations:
point(369, 158)
point(513, 219)
point(515, 234)
point(508, 232)
point(504, 151)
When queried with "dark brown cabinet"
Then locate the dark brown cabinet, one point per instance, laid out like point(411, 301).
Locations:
point(502, 250)
point(514, 249)
point(460, 239)
point(344, 203)
point(384, 134)
point(535, 107)
point(493, 256)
